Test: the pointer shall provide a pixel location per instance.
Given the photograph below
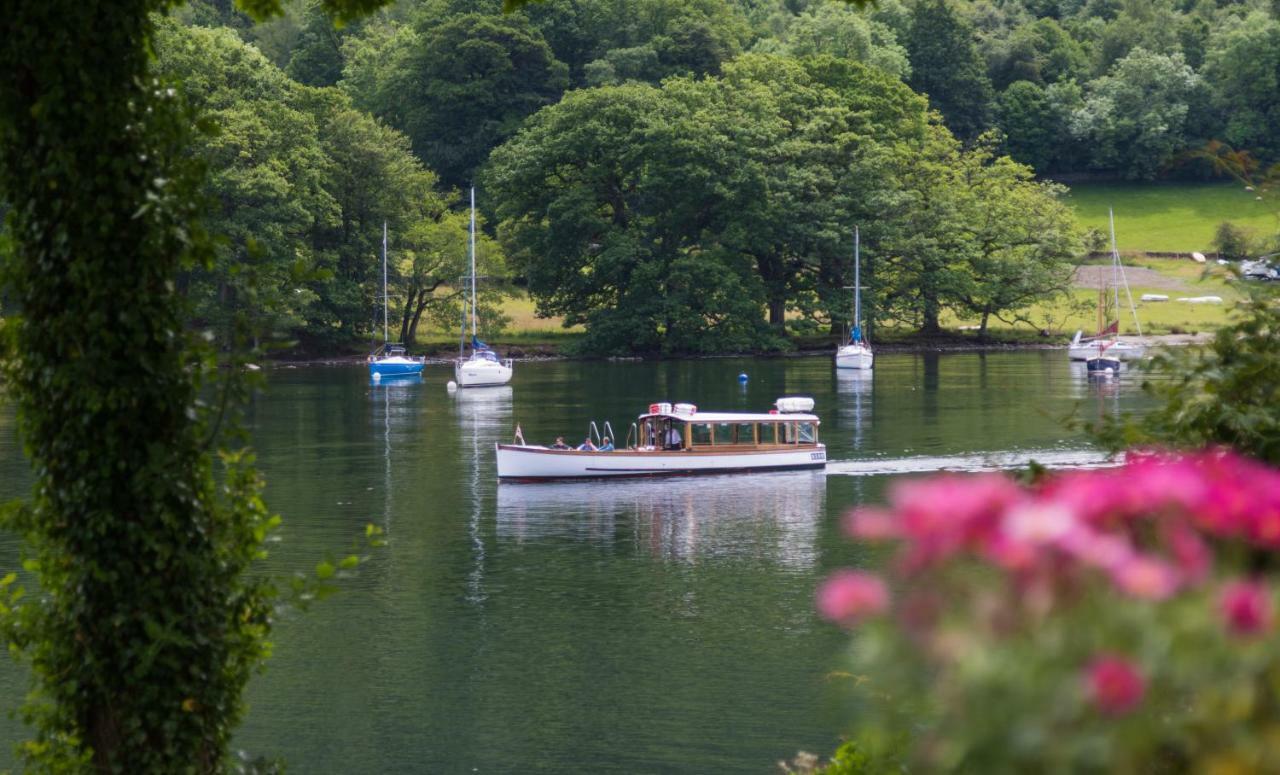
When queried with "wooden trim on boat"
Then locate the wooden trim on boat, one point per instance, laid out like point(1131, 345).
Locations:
point(736, 449)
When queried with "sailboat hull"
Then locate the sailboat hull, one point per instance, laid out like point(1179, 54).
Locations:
point(476, 372)
point(1123, 351)
point(854, 356)
point(395, 369)
point(1102, 366)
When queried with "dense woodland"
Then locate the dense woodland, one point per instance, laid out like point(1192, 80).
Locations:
point(685, 177)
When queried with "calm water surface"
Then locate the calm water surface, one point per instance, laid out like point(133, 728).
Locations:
point(647, 626)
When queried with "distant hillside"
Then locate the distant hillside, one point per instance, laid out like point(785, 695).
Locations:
point(1178, 217)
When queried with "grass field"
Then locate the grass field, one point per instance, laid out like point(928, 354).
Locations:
point(524, 327)
point(1169, 217)
point(1066, 315)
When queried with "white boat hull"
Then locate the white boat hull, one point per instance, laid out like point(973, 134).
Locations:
point(1124, 351)
point(854, 356)
point(481, 373)
point(528, 463)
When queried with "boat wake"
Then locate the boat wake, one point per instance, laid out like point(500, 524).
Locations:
point(982, 461)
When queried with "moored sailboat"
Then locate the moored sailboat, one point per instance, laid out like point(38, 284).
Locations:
point(856, 353)
point(391, 359)
point(483, 368)
point(1107, 339)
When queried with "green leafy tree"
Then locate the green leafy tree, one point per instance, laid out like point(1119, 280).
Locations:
point(1033, 128)
point(1242, 70)
point(1147, 24)
point(301, 183)
point(1136, 118)
point(148, 622)
point(1041, 52)
point(316, 56)
point(921, 249)
point(842, 32)
point(670, 219)
point(430, 261)
point(1025, 237)
point(625, 243)
point(946, 65)
point(844, 131)
point(467, 87)
point(671, 37)
point(265, 181)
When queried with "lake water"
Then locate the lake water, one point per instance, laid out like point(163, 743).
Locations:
point(642, 626)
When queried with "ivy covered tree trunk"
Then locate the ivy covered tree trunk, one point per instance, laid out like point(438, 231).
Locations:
point(146, 628)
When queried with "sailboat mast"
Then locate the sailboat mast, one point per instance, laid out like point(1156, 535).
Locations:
point(1115, 261)
point(386, 337)
point(857, 282)
point(473, 262)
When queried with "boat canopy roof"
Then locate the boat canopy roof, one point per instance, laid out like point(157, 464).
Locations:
point(734, 417)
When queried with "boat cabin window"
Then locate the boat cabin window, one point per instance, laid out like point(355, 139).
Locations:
point(745, 433)
point(768, 433)
point(662, 433)
point(724, 433)
point(799, 433)
point(701, 434)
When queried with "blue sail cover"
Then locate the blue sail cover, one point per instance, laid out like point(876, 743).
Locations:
point(856, 334)
point(477, 344)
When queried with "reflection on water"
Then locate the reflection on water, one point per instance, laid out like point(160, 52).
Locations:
point(394, 398)
point(854, 396)
point(773, 516)
point(484, 417)
point(658, 625)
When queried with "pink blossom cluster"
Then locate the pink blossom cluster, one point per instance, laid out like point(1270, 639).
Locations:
point(1146, 525)
point(1149, 529)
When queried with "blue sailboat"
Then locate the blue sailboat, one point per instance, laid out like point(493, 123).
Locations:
point(391, 359)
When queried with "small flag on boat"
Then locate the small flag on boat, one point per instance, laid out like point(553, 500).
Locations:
point(519, 435)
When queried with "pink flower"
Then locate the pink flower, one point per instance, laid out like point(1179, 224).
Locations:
point(947, 514)
point(871, 524)
point(848, 596)
point(1114, 684)
point(1189, 552)
point(1246, 607)
point(1146, 578)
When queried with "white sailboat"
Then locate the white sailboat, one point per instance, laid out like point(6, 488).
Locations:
point(1107, 341)
point(483, 368)
point(391, 359)
point(856, 354)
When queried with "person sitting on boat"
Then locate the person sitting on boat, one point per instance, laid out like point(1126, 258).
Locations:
point(586, 445)
point(559, 443)
point(606, 445)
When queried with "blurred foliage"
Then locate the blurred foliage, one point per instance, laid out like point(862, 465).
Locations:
point(1224, 393)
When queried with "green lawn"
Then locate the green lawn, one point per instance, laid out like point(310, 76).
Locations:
point(1160, 217)
point(1066, 315)
point(525, 326)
